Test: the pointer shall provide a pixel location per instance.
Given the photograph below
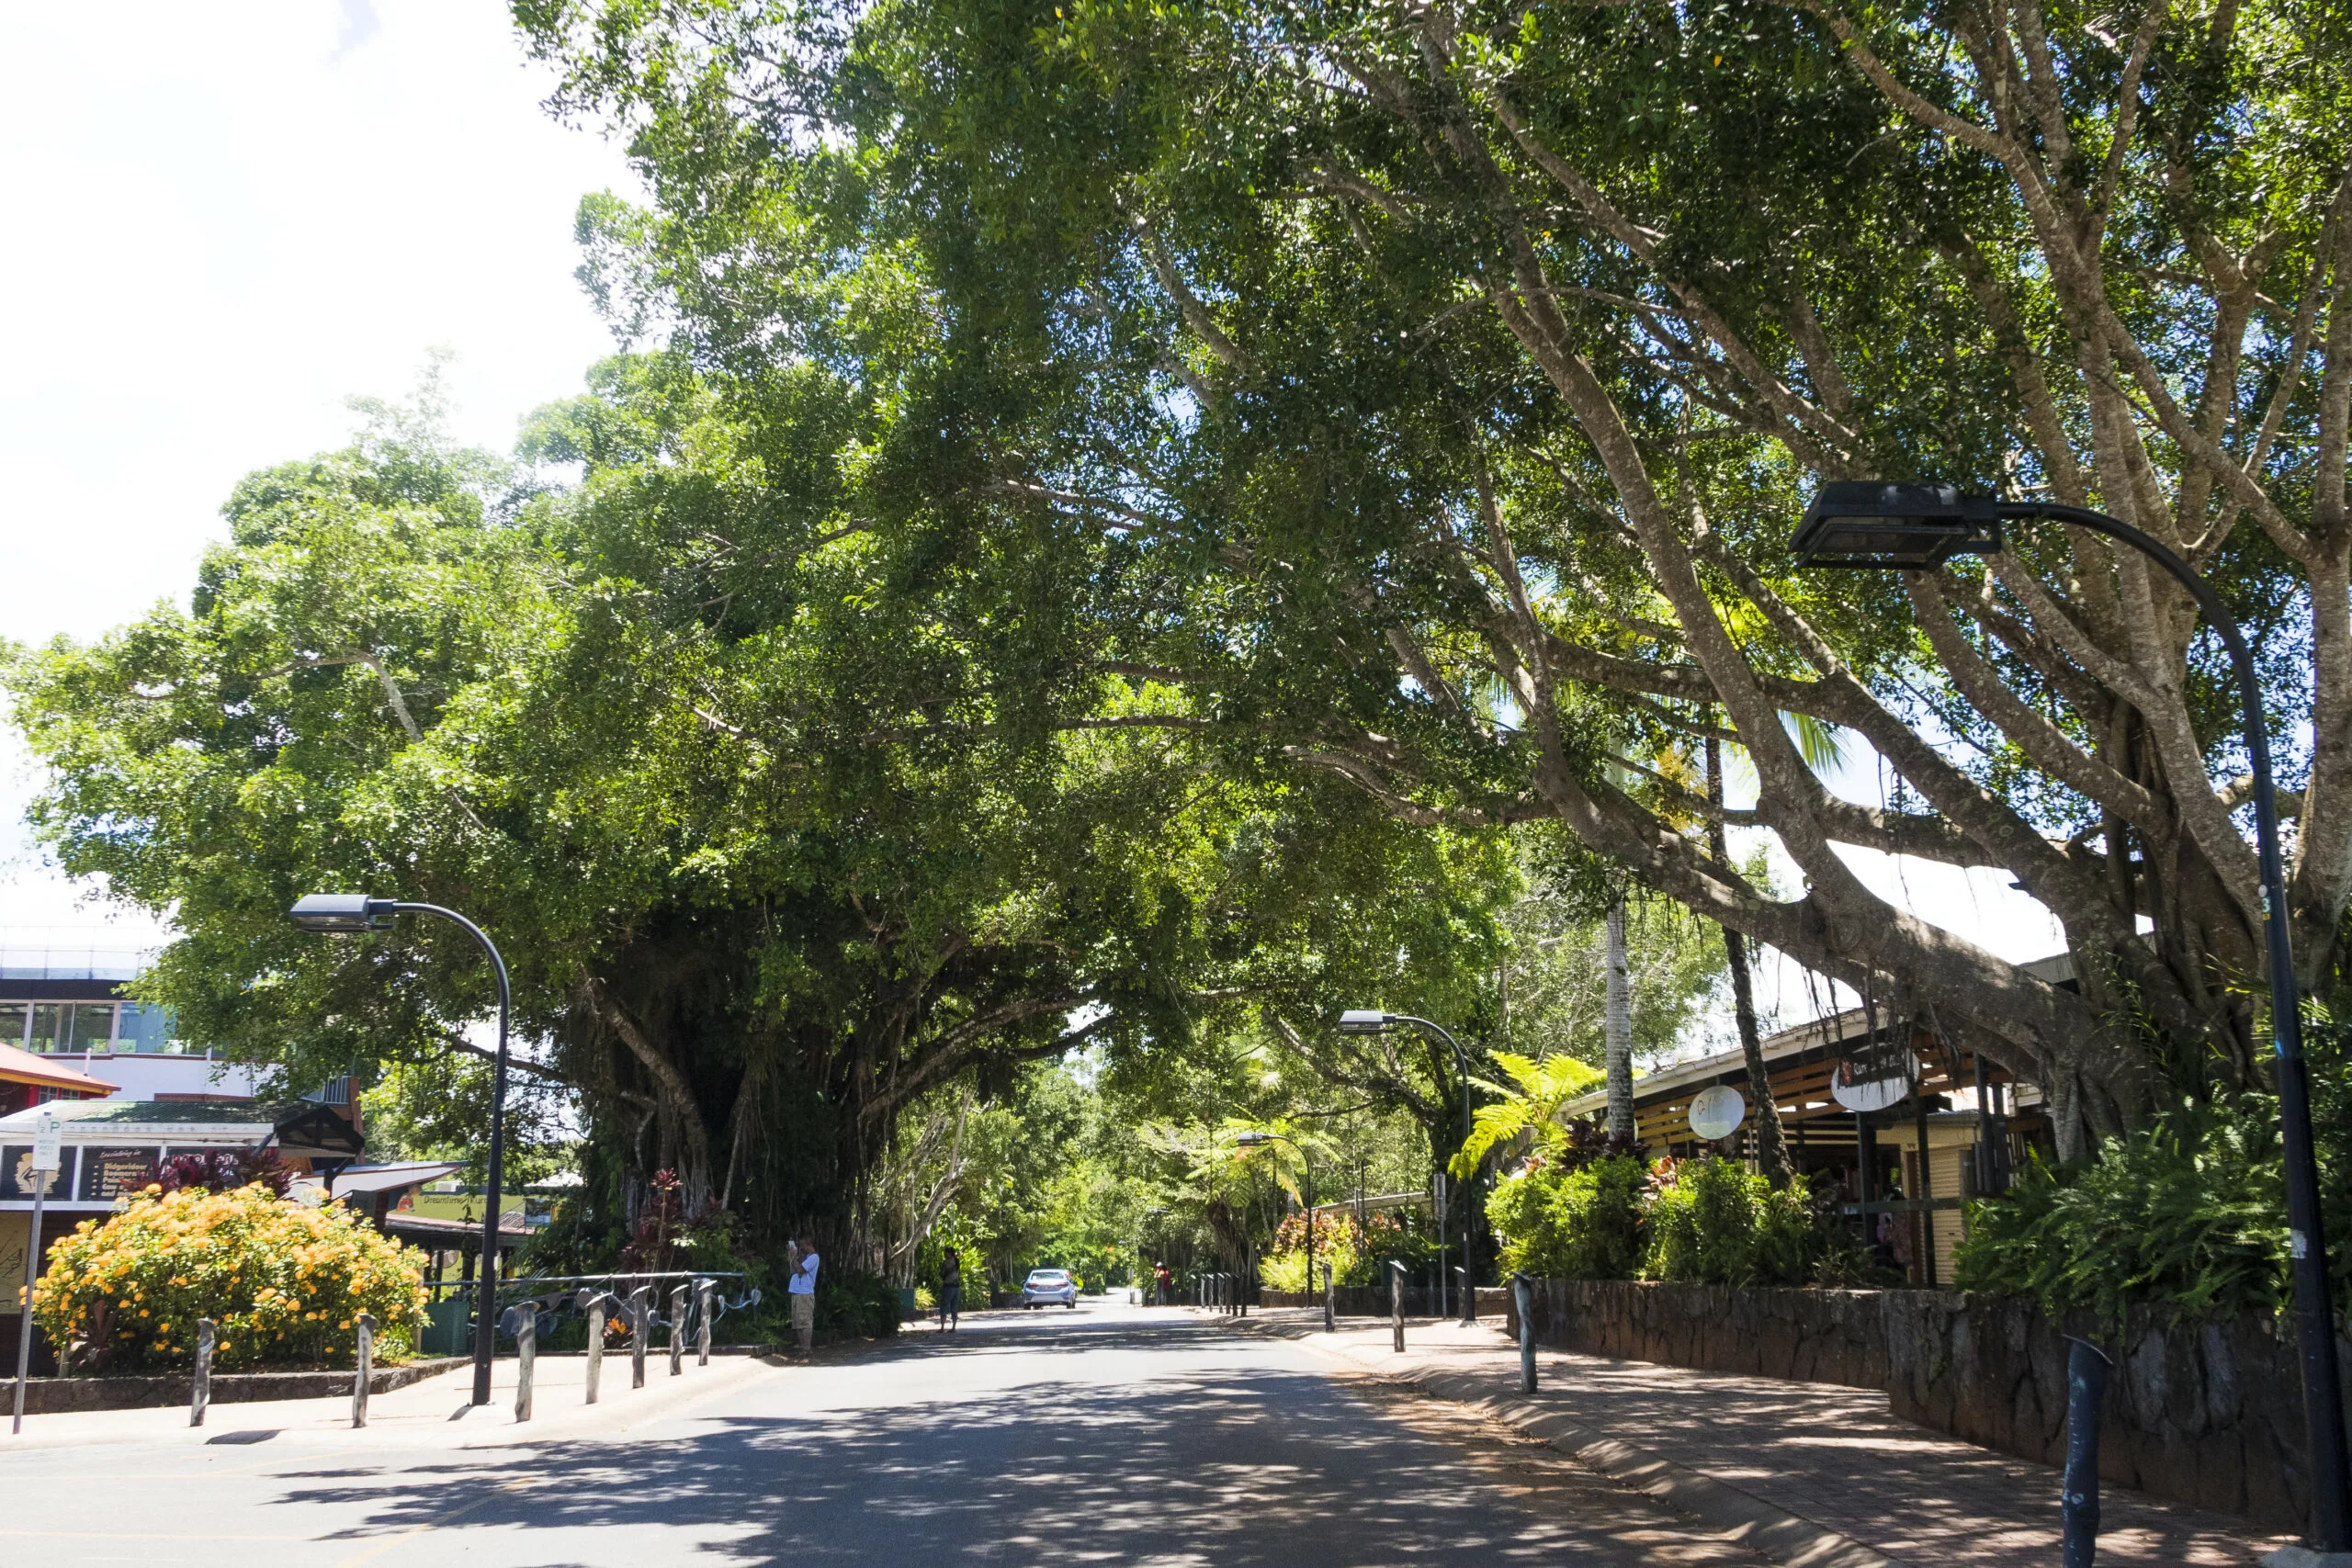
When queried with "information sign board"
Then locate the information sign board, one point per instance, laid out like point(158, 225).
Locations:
point(110, 1172)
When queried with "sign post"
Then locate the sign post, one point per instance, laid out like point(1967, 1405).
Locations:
point(48, 1146)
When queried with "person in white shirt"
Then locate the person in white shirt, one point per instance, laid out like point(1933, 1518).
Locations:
point(801, 1291)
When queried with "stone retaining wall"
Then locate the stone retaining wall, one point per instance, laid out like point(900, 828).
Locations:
point(2210, 1415)
point(1372, 1301)
point(51, 1396)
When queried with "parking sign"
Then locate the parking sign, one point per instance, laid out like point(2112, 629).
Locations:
point(48, 1141)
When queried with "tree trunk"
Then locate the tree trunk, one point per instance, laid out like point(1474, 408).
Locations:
point(1620, 1028)
point(1771, 1145)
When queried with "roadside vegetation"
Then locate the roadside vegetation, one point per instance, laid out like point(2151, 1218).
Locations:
point(1116, 533)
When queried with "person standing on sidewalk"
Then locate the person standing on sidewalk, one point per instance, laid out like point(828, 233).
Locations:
point(951, 1288)
point(802, 1291)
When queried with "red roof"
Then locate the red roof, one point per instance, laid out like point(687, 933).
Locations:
point(23, 1066)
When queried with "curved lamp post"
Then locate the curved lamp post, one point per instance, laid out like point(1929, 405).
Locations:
point(1916, 527)
point(349, 914)
point(1365, 1021)
point(1251, 1138)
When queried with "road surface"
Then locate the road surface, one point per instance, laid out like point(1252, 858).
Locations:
point(1110, 1435)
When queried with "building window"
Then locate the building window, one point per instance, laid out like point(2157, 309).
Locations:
point(52, 1027)
point(146, 1028)
point(337, 1091)
point(90, 1028)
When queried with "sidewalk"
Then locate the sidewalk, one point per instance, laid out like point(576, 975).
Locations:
point(435, 1412)
point(1822, 1473)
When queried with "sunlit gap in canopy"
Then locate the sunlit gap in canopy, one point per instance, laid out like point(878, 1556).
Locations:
point(1978, 904)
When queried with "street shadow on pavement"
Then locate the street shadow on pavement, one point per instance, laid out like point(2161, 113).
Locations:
point(1201, 1458)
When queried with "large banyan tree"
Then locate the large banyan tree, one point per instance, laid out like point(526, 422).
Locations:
point(1442, 382)
point(789, 799)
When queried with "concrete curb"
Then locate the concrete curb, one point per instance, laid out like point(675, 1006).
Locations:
point(67, 1396)
point(1752, 1521)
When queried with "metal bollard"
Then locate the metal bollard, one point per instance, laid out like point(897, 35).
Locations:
point(2079, 1502)
point(705, 1289)
point(641, 1317)
point(526, 1355)
point(677, 1331)
point(363, 1360)
point(596, 1304)
point(199, 1394)
point(1397, 1302)
point(1522, 1296)
point(1328, 1304)
point(1469, 1298)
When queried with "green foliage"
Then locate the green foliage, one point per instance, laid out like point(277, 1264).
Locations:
point(2188, 1215)
point(1711, 1220)
point(1704, 1220)
point(1581, 1222)
point(2185, 1215)
point(1338, 1245)
point(852, 1303)
point(1529, 1105)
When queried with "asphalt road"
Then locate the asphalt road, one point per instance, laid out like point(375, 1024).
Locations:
point(1110, 1435)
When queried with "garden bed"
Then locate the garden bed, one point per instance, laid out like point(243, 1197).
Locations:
point(53, 1396)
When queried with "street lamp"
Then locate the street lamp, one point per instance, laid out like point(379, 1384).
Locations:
point(344, 914)
point(1251, 1138)
point(1916, 527)
point(1367, 1020)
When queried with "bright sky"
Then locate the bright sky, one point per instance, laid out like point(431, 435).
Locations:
point(231, 219)
point(227, 219)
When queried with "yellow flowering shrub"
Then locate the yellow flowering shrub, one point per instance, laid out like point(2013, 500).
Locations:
point(286, 1283)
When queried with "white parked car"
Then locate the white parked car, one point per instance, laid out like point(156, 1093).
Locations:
point(1045, 1287)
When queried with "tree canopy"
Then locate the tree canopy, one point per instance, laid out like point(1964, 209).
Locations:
point(1441, 385)
point(793, 803)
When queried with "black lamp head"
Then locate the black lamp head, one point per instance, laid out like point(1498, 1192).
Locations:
point(1251, 1138)
point(1865, 523)
point(342, 913)
point(1364, 1021)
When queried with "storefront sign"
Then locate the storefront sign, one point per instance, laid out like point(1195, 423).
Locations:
point(1874, 1075)
point(109, 1173)
point(1717, 1113)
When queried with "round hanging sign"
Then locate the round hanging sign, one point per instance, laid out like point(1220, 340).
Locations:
point(1870, 1079)
point(1717, 1113)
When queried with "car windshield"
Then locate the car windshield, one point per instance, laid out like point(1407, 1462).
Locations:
point(1048, 1277)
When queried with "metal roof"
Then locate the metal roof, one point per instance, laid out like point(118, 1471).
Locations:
point(300, 1129)
point(17, 1065)
point(390, 1178)
point(1835, 1028)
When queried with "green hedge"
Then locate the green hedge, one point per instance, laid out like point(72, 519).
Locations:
point(1705, 1220)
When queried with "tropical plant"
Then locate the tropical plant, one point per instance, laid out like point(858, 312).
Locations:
point(1336, 1246)
point(1528, 1106)
point(2185, 1215)
point(285, 1282)
point(222, 1170)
